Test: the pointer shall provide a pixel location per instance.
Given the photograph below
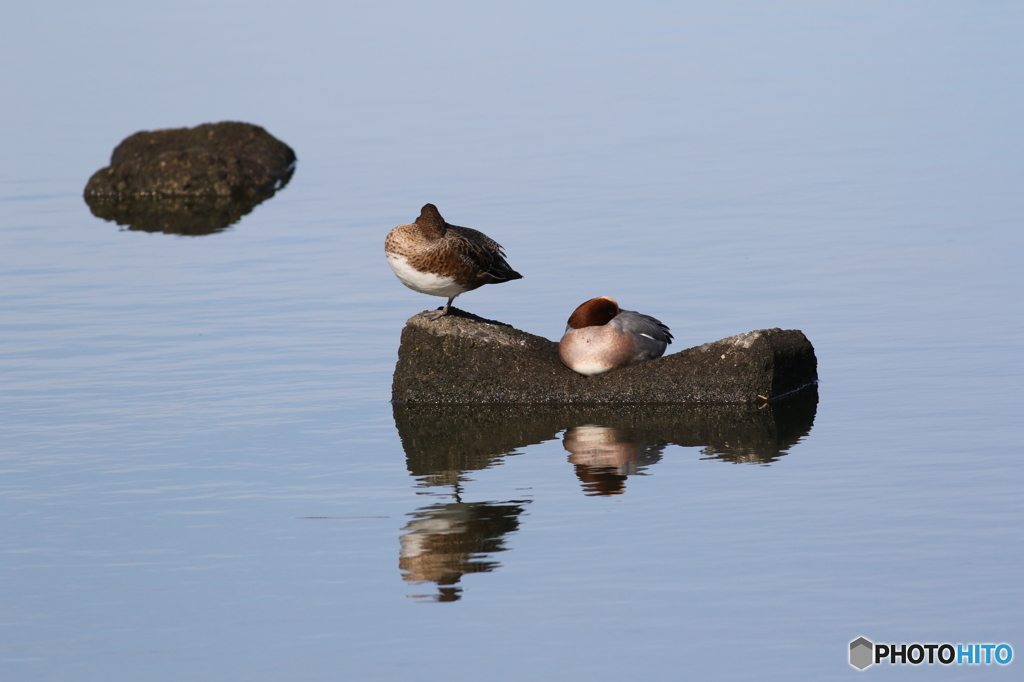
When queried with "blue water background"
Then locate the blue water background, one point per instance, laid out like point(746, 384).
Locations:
point(174, 409)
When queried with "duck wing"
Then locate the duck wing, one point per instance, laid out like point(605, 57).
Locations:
point(481, 254)
point(650, 336)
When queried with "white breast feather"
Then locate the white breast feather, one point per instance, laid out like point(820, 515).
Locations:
point(423, 282)
point(591, 368)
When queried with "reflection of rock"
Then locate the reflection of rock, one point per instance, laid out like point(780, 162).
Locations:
point(607, 443)
point(604, 457)
point(461, 358)
point(190, 180)
point(442, 442)
point(778, 427)
point(186, 216)
point(443, 542)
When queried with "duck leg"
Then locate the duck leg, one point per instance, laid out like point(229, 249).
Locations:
point(440, 312)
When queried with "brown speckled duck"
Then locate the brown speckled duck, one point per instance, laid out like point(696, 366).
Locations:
point(435, 258)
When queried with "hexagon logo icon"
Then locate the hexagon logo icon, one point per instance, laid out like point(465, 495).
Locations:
point(861, 653)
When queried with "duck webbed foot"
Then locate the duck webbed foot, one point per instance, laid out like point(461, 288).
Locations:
point(440, 312)
point(435, 314)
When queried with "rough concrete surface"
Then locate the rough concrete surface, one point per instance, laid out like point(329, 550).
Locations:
point(214, 159)
point(462, 358)
point(190, 181)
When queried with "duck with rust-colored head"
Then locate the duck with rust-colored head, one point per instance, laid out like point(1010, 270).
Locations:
point(435, 258)
point(601, 337)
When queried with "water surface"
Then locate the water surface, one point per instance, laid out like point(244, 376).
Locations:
point(203, 477)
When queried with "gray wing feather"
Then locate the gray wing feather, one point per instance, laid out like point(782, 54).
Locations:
point(653, 337)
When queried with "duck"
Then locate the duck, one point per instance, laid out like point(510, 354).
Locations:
point(438, 259)
point(600, 337)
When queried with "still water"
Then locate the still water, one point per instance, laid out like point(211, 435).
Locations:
point(203, 477)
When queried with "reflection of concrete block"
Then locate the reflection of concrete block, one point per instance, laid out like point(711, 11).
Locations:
point(442, 442)
point(861, 653)
point(461, 358)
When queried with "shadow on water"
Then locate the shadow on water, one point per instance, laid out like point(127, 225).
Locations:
point(606, 445)
point(188, 216)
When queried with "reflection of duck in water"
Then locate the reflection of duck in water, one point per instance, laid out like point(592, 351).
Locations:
point(604, 457)
point(435, 258)
point(443, 542)
point(601, 337)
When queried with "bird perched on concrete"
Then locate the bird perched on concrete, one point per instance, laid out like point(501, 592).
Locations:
point(601, 337)
point(435, 258)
